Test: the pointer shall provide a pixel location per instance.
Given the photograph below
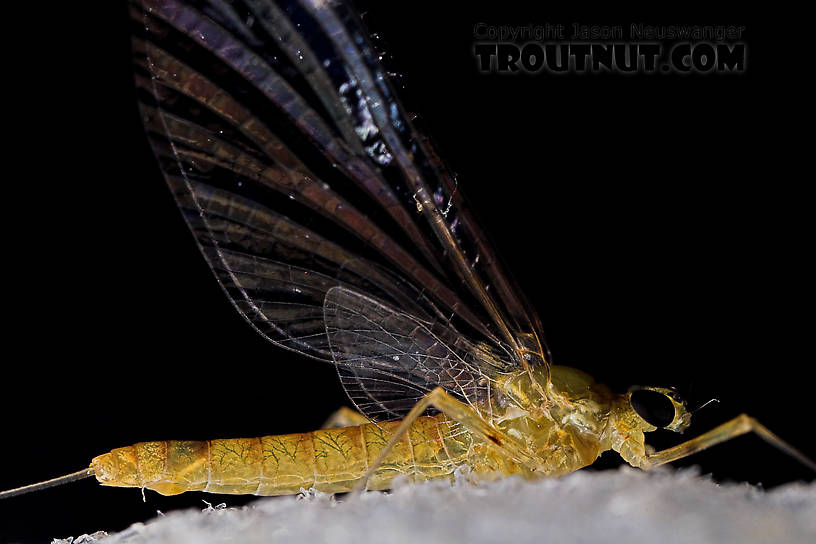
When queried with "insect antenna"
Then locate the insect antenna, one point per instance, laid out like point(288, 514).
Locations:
point(74, 476)
point(704, 405)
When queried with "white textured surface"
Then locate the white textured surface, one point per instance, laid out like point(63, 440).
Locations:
point(623, 506)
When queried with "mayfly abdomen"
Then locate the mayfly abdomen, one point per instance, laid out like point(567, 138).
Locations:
point(330, 460)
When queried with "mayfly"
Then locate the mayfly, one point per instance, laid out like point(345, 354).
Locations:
point(336, 232)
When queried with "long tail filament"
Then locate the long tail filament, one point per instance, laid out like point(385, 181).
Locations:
point(78, 475)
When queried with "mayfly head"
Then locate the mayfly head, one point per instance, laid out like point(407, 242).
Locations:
point(659, 408)
point(642, 410)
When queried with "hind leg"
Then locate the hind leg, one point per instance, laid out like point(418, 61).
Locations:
point(345, 417)
point(463, 414)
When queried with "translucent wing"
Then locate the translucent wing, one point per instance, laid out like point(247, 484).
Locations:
point(389, 359)
point(303, 180)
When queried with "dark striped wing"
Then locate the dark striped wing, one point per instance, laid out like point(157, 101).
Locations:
point(325, 215)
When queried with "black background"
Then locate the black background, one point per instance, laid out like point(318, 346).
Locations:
point(656, 222)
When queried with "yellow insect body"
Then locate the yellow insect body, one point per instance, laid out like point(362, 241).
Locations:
point(571, 433)
point(523, 428)
point(330, 460)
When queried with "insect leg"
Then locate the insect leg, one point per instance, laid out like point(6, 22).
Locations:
point(461, 413)
point(741, 424)
point(345, 417)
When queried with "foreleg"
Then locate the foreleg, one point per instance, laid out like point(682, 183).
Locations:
point(740, 425)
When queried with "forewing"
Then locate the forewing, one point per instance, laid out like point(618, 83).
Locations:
point(467, 255)
point(300, 176)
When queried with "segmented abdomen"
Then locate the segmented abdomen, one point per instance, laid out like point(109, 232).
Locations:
point(331, 460)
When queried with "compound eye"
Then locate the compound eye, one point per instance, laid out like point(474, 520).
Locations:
point(655, 408)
